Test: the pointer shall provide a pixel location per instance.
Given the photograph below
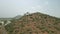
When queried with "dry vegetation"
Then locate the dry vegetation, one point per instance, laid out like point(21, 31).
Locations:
point(36, 23)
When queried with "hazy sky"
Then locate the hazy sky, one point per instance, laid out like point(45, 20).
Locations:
point(11, 8)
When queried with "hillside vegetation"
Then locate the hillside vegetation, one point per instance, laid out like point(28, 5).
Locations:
point(35, 23)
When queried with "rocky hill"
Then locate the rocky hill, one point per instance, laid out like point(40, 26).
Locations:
point(35, 23)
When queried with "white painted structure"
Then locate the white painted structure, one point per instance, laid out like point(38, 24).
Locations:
point(8, 22)
point(2, 22)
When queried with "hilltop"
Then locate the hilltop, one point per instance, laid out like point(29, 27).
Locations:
point(35, 23)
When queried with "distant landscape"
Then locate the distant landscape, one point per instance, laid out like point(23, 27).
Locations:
point(30, 23)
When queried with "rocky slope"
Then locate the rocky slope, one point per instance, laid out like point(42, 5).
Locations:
point(35, 23)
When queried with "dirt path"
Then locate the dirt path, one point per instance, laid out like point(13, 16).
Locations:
point(2, 30)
